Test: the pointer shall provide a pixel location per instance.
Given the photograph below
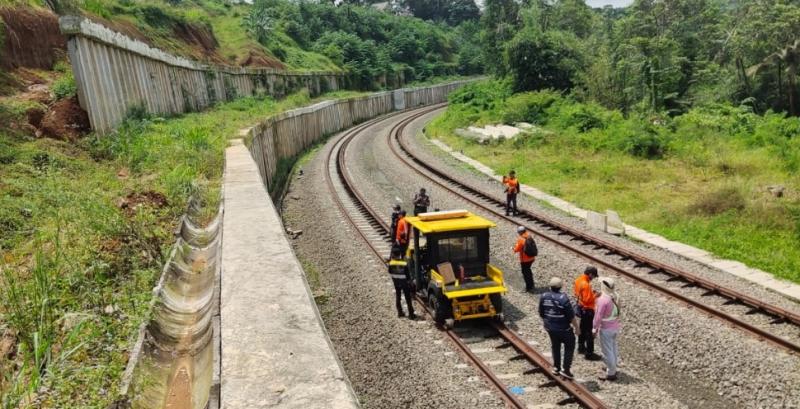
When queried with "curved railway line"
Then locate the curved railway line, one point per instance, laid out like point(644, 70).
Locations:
point(375, 232)
point(582, 244)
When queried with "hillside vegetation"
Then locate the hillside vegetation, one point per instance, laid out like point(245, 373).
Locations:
point(679, 114)
point(87, 227)
point(284, 34)
point(87, 221)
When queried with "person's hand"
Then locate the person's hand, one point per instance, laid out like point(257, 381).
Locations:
point(594, 332)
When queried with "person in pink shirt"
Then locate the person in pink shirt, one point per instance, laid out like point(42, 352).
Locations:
point(606, 324)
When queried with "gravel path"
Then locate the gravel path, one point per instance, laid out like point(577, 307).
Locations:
point(673, 356)
point(391, 362)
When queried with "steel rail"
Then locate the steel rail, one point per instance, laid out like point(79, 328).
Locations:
point(576, 391)
point(445, 181)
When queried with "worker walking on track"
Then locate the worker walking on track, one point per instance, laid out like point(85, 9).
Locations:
point(585, 297)
point(512, 189)
point(395, 218)
point(421, 202)
point(606, 324)
point(403, 232)
point(398, 270)
point(526, 247)
point(559, 321)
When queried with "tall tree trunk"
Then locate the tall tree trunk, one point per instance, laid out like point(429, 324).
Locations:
point(780, 82)
point(791, 83)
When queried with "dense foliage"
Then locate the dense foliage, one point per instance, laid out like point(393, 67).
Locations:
point(702, 178)
point(654, 56)
point(368, 42)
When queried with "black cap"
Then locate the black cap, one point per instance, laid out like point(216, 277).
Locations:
point(422, 189)
point(591, 270)
point(396, 207)
point(402, 212)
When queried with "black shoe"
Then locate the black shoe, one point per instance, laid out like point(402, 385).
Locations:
point(593, 357)
point(567, 374)
point(608, 378)
point(582, 351)
point(401, 314)
point(556, 371)
point(412, 316)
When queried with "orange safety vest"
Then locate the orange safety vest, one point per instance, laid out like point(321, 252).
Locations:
point(520, 248)
point(512, 185)
point(402, 231)
point(584, 292)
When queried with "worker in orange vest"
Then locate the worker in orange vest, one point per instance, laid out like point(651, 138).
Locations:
point(512, 189)
point(403, 232)
point(586, 297)
point(526, 247)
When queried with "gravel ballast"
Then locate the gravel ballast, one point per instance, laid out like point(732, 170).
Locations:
point(672, 356)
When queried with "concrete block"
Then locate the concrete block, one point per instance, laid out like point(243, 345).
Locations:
point(399, 98)
point(596, 220)
point(614, 224)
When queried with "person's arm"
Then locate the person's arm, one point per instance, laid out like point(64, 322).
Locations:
point(575, 326)
point(600, 312)
point(519, 245)
point(570, 315)
point(541, 307)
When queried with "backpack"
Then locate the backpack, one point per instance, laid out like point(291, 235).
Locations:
point(530, 248)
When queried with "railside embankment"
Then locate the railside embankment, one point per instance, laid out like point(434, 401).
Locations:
point(286, 135)
point(116, 74)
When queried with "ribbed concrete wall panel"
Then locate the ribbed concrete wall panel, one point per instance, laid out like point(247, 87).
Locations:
point(115, 73)
point(288, 134)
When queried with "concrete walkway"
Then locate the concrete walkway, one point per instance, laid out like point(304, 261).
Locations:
point(275, 351)
point(785, 288)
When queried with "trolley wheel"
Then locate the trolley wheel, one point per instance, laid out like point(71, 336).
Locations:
point(499, 317)
point(497, 302)
point(449, 323)
point(439, 307)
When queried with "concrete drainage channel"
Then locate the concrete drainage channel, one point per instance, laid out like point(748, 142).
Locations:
point(175, 362)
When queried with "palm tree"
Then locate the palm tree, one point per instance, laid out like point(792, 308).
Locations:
point(789, 58)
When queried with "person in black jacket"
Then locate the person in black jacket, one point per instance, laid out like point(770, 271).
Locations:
point(395, 218)
point(559, 320)
point(421, 202)
point(398, 270)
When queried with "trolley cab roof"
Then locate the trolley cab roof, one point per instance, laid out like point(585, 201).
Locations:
point(451, 220)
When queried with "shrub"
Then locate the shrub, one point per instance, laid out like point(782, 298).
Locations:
point(719, 201)
point(647, 145)
point(65, 86)
point(530, 106)
point(482, 95)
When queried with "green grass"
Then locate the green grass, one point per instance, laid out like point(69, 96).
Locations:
point(69, 251)
point(699, 179)
point(155, 19)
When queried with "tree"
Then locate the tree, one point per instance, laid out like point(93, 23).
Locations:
point(452, 11)
point(459, 11)
point(785, 61)
point(500, 21)
point(543, 60)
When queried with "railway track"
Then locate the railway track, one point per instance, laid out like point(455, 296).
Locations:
point(676, 283)
point(501, 345)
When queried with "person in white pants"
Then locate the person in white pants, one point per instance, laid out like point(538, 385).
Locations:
point(607, 324)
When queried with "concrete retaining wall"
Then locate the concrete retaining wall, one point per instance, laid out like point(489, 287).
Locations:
point(285, 135)
point(115, 73)
point(175, 361)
